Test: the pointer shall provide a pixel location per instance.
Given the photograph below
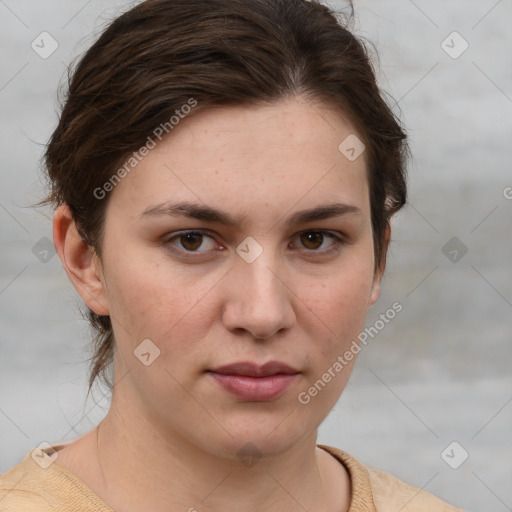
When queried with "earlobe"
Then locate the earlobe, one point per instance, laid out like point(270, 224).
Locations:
point(80, 261)
point(375, 293)
point(379, 272)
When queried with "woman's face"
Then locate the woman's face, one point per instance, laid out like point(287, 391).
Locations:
point(277, 265)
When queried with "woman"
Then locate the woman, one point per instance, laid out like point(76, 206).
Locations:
point(224, 174)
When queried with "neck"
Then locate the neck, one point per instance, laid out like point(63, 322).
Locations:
point(141, 470)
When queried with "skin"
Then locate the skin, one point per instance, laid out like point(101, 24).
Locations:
point(171, 428)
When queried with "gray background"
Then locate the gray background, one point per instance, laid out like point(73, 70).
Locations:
point(439, 372)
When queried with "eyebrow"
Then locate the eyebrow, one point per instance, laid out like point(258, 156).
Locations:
point(209, 214)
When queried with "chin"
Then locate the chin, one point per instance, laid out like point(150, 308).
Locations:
point(250, 442)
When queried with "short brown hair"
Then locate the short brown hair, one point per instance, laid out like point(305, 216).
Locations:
point(151, 60)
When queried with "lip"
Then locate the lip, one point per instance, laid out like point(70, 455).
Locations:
point(249, 369)
point(254, 383)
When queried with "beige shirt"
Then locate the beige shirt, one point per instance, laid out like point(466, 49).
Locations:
point(41, 484)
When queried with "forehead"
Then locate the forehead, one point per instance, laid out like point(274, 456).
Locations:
point(248, 157)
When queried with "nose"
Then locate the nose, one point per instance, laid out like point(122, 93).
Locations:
point(257, 300)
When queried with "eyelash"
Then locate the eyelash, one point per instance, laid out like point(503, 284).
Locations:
point(338, 241)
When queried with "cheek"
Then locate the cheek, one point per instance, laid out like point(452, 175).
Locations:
point(341, 302)
point(133, 301)
point(152, 301)
point(337, 309)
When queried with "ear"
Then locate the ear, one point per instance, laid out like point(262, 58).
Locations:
point(379, 272)
point(80, 261)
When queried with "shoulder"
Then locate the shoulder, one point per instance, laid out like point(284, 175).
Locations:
point(390, 492)
point(377, 491)
point(16, 494)
point(39, 484)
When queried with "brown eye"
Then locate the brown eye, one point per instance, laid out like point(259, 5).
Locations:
point(312, 240)
point(191, 241)
point(319, 242)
